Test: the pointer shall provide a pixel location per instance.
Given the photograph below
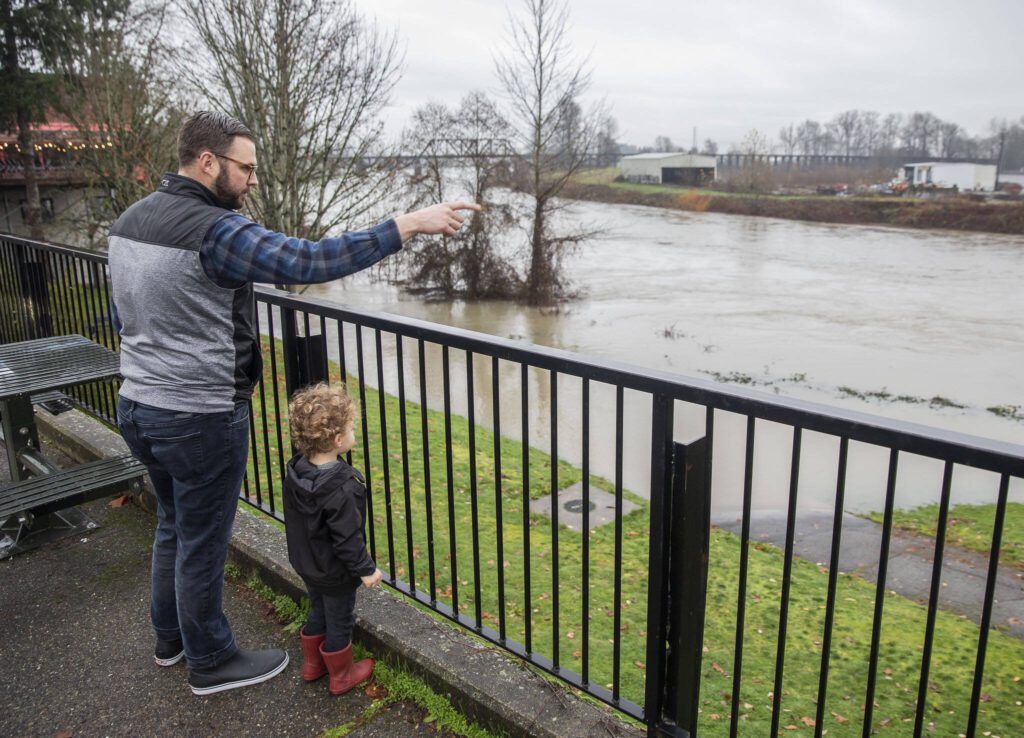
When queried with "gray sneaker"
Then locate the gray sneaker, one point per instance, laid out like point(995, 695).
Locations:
point(168, 653)
point(241, 670)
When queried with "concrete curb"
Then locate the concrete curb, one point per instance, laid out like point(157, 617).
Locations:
point(490, 687)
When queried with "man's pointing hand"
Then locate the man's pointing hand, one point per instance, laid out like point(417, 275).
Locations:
point(443, 218)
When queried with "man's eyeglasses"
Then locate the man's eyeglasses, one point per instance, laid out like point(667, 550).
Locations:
point(249, 169)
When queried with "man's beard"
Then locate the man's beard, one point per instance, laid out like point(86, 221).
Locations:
point(228, 198)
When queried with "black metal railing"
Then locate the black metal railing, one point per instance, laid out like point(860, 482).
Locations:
point(540, 499)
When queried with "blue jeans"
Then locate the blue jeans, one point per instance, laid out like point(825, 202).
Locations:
point(196, 462)
point(333, 614)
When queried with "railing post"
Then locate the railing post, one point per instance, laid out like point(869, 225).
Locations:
point(678, 568)
point(658, 566)
point(305, 357)
point(688, 581)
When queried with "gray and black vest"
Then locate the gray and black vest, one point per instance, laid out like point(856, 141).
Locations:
point(186, 343)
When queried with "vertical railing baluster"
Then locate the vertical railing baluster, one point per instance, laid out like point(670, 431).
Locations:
point(427, 499)
point(277, 399)
point(933, 599)
point(255, 457)
point(554, 522)
point(452, 552)
point(787, 572)
point(410, 561)
point(986, 610)
point(741, 596)
point(385, 461)
point(883, 568)
point(585, 561)
point(471, 408)
point(658, 567)
point(344, 371)
point(527, 604)
point(617, 578)
point(261, 385)
point(498, 522)
point(833, 578)
point(371, 523)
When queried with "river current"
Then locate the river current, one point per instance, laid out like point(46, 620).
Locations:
point(922, 326)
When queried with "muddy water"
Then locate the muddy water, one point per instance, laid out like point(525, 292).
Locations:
point(922, 326)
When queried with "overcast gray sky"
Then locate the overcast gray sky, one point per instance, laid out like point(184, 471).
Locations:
point(665, 66)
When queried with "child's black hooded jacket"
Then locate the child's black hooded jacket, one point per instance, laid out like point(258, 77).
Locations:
point(324, 515)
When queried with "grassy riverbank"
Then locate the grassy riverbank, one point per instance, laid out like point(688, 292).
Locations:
point(461, 503)
point(952, 213)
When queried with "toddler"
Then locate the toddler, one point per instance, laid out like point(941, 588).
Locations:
point(324, 514)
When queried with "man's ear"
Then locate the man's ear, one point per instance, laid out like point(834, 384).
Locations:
point(206, 162)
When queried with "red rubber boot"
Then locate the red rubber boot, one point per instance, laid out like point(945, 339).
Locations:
point(345, 674)
point(313, 666)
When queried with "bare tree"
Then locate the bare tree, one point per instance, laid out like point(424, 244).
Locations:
point(663, 143)
point(540, 75)
point(950, 138)
point(919, 134)
point(119, 93)
point(310, 77)
point(789, 140)
point(869, 133)
point(814, 139)
point(607, 141)
point(889, 133)
point(844, 128)
point(467, 264)
point(755, 174)
point(710, 147)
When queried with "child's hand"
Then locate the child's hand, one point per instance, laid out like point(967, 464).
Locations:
point(372, 580)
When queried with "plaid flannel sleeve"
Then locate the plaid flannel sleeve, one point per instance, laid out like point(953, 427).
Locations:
point(237, 250)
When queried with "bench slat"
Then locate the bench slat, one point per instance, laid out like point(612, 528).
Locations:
point(44, 494)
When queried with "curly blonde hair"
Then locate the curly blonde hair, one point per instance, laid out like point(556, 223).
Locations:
point(318, 414)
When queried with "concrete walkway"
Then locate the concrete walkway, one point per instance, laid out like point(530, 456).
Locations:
point(911, 559)
point(76, 645)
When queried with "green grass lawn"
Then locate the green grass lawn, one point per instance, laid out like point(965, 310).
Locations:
point(968, 526)
point(455, 517)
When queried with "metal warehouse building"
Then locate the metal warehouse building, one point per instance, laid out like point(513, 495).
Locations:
point(667, 168)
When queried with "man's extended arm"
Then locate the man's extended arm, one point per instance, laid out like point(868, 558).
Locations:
point(237, 250)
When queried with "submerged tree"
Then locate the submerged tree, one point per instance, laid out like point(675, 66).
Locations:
point(462, 153)
point(542, 81)
point(310, 78)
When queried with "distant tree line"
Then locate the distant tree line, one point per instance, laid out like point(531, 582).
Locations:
point(917, 135)
point(869, 133)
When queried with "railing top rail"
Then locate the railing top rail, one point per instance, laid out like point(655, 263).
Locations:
point(99, 258)
point(984, 453)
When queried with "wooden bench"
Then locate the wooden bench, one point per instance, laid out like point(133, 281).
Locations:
point(52, 492)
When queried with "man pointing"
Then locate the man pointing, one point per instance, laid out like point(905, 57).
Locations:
point(182, 265)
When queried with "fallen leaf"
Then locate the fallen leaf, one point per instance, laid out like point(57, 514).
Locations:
point(1013, 621)
point(577, 654)
point(807, 721)
point(375, 691)
point(640, 664)
point(986, 697)
point(716, 667)
point(117, 502)
point(63, 734)
point(714, 716)
point(840, 719)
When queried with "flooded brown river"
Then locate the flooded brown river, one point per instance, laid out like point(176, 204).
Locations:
point(922, 326)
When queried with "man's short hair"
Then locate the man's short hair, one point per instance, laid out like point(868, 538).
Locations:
point(208, 131)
